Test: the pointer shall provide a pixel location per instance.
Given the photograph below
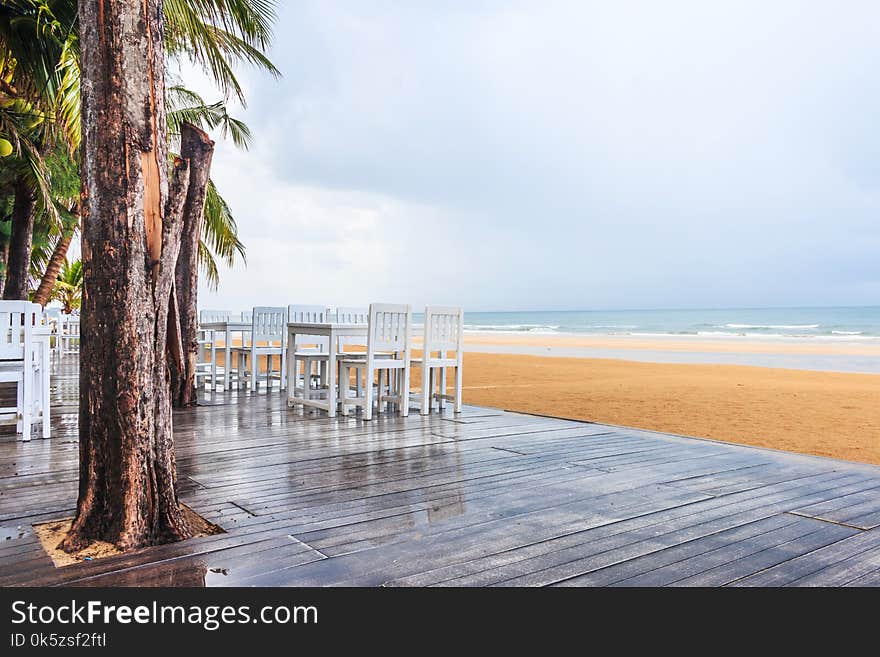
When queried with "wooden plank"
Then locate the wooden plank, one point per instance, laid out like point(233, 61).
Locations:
point(858, 546)
point(484, 498)
point(569, 556)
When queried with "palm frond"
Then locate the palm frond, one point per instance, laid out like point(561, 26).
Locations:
point(207, 117)
point(209, 265)
point(213, 33)
point(220, 231)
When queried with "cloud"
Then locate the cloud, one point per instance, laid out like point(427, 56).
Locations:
point(562, 155)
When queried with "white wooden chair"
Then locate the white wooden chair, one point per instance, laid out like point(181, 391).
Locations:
point(69, 335)
point(206, 367)
point(52, 318)
point(344, 348)
point(389, 338)
point(269, 327)
point(442, 348)
point(313, 350)
point(20, 363)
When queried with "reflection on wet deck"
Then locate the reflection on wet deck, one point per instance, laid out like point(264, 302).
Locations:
point(483, 498)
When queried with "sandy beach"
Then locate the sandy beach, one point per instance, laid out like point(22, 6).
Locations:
point(833, 414)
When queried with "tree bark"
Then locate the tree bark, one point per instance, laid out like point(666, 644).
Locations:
point(130, 241)
point(20, 242)
point(50, 276)
point(198, 149)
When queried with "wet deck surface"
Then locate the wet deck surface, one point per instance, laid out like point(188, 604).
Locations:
point(482, 498)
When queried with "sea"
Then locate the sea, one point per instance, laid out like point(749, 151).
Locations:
point(832, 327)
point(845, 323)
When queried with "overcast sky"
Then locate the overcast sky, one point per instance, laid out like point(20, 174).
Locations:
point(561, 155)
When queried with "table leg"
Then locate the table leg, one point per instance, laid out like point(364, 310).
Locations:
point(47, 357)
point(213, 361)
point(331, 377)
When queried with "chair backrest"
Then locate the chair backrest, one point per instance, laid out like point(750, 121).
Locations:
point(269, 325)
point(444, 329)
point(389, 329)
point(17, 321)
point(208, 316)
point(308, 314)
point(352, 315)
point(70, 320)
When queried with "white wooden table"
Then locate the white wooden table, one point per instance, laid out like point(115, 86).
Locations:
point(333, 331)
point(227, 328)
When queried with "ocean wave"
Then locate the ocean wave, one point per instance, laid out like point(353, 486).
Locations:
point(847, 332)
point(511, 327)
point(772, 326)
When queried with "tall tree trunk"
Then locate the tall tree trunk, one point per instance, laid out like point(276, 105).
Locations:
point(56, 261)
point(198, 149)
point(4, 258)
point(130, 240)
point(20, 241)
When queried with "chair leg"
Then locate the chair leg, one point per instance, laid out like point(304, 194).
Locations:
point(19, 404)
point(368, 392)
point(26, 407)
point(442, 388)
point(255, 369)
point(214, 364)
point(403, 392)
point(268, 372)
point(381, 375)
point(283, 372)
point(458, 381)
point(426, 389)
point(45, 406)
point(344, 378)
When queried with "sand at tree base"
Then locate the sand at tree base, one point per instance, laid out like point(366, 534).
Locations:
point(825, 413)
point(53, 532)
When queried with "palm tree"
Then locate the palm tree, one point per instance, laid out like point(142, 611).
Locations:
point(39, 53)
point(220, 232)
point(68, 287)
point(39, 109)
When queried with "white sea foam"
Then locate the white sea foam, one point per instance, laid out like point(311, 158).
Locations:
point(772, 326)
point(516, 328)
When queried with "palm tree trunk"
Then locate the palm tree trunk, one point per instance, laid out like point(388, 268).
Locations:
point(20, 242)
point(4, 258)
point(198, 149)
point(59, 254)
point(131, 229)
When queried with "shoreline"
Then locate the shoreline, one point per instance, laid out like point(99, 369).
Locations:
point(791, 353)
point(832, 345)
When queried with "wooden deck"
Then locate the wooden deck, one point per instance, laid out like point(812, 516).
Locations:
point(484, 498)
